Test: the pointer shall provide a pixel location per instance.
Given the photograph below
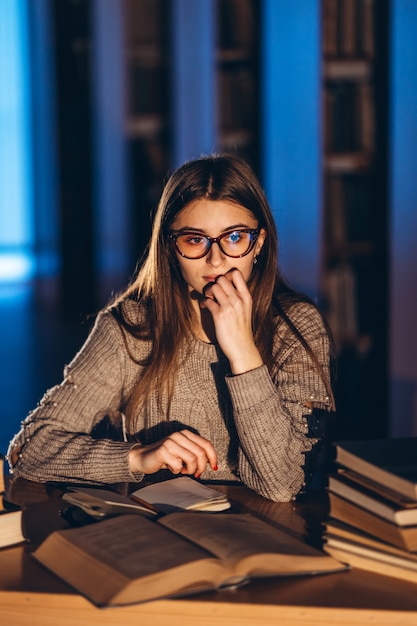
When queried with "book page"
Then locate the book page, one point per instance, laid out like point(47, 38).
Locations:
point(127, 558)
point(134, 545)
point(183, 493)
point(103, 502)
point(234, 537)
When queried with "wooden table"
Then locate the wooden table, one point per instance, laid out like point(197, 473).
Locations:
point(30, 595)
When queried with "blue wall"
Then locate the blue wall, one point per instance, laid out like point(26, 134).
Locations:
point(291, 135)
point(403, 226)
point(16, 183)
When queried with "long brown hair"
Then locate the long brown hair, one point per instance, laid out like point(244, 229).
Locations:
point(161, 289)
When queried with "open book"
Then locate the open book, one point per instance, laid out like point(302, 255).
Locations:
point(131, 558)
point(177, 494)
point(183, 493)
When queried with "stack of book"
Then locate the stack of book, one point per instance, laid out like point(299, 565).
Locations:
point(11, 527)
point(372, 520)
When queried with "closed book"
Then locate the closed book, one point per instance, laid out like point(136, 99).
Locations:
point(336, 529)
point(371, 559)
point(390, 462)
point(132, 558)
point(404, 537)
point(379, 489)
point(2, 478)
point(11, 524)
point(372, 501)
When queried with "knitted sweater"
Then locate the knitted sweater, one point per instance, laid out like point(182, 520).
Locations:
point(258, 421)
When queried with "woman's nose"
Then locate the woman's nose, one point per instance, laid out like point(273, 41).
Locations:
point(215, 256)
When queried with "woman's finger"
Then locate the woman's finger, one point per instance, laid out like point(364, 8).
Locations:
point(208, 448)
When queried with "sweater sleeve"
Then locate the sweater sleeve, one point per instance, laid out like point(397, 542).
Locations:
point(275, 413)
point(56, 441)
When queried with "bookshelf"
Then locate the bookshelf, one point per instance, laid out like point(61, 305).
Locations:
point(211, 52)
point(147, 126)
point(156, 54)
point(237, 74)
point(355, 205)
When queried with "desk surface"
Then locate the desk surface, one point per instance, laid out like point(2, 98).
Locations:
point(31, 595)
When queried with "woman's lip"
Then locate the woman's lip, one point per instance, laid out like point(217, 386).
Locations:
point(211, 278)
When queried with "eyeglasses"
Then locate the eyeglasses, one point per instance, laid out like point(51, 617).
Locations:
point(233, 243)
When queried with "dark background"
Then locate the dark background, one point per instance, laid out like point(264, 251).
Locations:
point(45, 320)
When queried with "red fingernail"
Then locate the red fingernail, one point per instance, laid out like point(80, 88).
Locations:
point(197, 475)
point(215, 468)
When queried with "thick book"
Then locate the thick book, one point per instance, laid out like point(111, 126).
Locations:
point(131, 558)
point(338, 530)
point(11, 516)
point(2, 479)
point(371, 559)
point(11, 525)
point(177, 494)
point(378, 489)
point(390, 462)
point(404, 537)
point(364, 496)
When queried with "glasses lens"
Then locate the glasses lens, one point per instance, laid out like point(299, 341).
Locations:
point(192, 246)
point(236, 243)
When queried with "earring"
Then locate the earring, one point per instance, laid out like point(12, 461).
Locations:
point(255, 259)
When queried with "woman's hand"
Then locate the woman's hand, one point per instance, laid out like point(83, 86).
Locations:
point(230, 304)
point(182, 452)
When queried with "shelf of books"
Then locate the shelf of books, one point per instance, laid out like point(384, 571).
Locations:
point(349, 164)
point(147, 106)
point(354, 204)
point(149, 72)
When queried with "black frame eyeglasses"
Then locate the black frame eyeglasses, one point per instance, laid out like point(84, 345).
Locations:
point(207, 242)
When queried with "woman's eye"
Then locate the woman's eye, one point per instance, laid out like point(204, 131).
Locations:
point(234, 237)
point(195, 240)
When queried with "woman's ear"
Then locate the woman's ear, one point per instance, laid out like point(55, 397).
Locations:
point(260, 241)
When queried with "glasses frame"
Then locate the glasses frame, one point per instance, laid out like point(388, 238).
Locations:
point(253, 231)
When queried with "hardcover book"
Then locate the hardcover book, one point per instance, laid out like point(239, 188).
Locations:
point(404, 537)
point(373, 501)
point(403, 566)
point(131, 558)
point(338, 530)
point(11, 523)
point(390, 462)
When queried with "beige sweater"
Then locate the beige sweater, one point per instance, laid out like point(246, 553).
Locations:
point(258, 421)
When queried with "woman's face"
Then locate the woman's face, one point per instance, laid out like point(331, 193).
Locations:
point(213, 218)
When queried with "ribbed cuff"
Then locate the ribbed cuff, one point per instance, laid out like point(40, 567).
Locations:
point(251, 388)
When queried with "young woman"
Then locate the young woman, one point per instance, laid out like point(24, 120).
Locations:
point(208, 364)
